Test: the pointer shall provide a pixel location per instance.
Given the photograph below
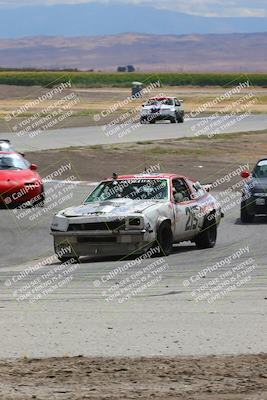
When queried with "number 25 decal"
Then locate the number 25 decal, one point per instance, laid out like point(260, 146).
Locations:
point(192, 220)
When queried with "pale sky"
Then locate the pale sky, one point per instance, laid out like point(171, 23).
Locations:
point(228, 8)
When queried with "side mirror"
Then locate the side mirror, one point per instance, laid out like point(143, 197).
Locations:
point(33, 167)
point(143, 105)
point(196, 186)
point(245, 174)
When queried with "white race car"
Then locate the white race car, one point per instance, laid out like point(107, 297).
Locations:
point(5, 145)
point(162, 108)
point(129, 214)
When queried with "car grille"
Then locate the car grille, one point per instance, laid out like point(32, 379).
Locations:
point(98, 226)
point(104, 239)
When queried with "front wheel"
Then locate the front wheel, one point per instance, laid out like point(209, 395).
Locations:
point(40, 202)
point(206, 239)
point(244, 215)
point(66, 259)
point(165, 239)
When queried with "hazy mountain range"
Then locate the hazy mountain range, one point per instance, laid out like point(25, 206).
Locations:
point(109, 19)
point(228, 52)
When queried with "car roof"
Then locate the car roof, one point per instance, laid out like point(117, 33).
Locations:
point(150, 176)
point(162, 98)
point(8, 152)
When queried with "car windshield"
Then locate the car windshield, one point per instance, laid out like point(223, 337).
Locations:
point(260, 170)
point(135, 189)
point(159, 102)
point(12, 162)
point(5, 146)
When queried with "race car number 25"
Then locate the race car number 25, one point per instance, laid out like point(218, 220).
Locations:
point(192, 221)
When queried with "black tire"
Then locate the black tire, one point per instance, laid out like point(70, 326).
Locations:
point(180, 119)
point(244, 215)
point(41, 202)
point(143, 120)
point(206, 239)
point(67, 258)
point(64, 258)
point(165, 239)
point(152, 121)
point(173, 120)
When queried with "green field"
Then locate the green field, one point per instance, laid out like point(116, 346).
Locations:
point(103, 79)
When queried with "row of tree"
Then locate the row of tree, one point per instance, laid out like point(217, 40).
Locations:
point(127, 68)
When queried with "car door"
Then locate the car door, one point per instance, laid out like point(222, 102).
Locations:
point(186, 210)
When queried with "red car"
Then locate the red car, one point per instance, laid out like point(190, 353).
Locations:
point(20, 184)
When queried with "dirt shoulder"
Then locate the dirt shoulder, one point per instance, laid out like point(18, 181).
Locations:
point(111, 104)
point(241, 377)
point(202, 158)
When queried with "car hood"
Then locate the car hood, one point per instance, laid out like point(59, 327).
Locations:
point(258, 184)
point(17, 175)
point(114, 207)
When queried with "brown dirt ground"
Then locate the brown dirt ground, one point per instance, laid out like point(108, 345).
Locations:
point(94, 100)
point(241, 377)
point(202, 159)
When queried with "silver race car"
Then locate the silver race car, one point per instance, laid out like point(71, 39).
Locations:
point(129, 214)
point(162, 108)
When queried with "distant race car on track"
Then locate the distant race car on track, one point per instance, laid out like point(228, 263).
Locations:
point(5, 145)
point(163, 108)
point(131, 213)
point(20, 184)
point(254, 195)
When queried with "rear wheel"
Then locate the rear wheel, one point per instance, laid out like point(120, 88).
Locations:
point(165, 238)
point(207, 237)
point(180, 119)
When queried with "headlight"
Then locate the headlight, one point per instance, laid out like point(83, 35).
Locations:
point(135, 223)
point(59, 223)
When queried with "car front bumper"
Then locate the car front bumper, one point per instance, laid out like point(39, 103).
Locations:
point(158, 116)
point(256, 205)
point(99, 243)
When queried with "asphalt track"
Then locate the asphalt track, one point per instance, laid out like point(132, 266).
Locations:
point(101, 134)
point(163, 320)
